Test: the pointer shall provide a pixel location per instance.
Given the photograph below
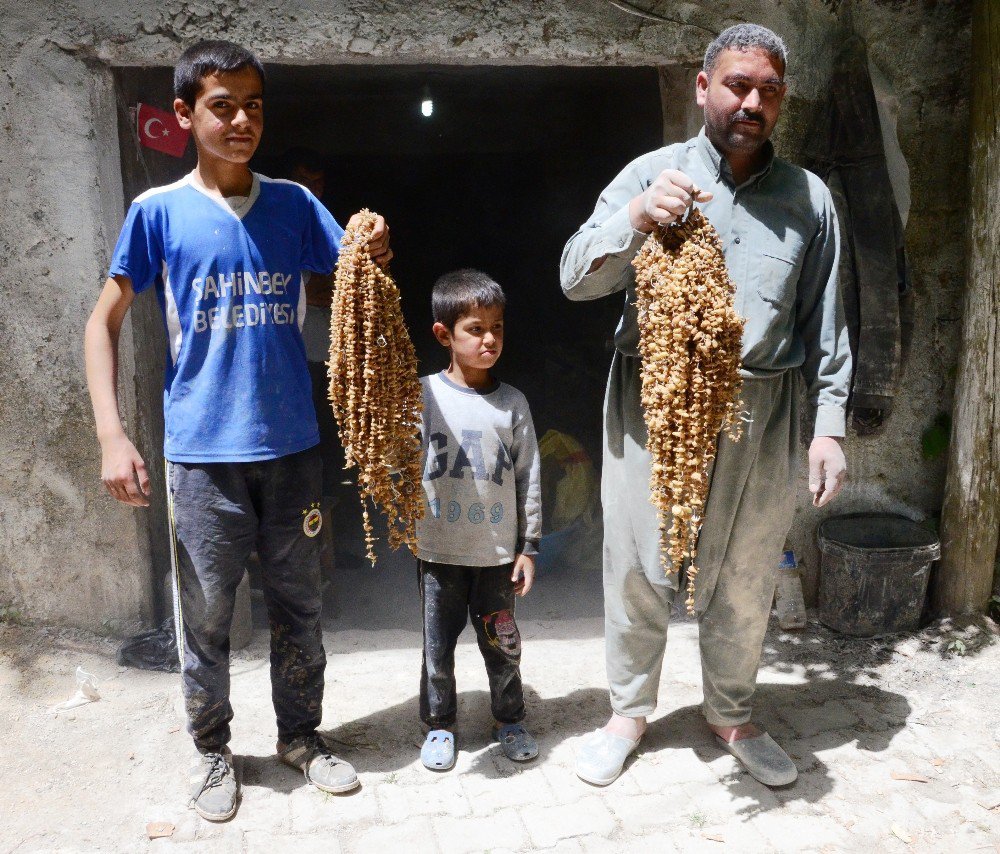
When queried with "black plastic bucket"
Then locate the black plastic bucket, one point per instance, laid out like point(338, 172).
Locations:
point(874, 572)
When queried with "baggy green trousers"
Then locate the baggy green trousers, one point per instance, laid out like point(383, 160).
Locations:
point(747, 516)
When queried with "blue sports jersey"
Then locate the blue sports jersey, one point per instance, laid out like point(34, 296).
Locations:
point(229, 283)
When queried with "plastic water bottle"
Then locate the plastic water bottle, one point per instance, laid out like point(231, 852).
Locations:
point(788, 594)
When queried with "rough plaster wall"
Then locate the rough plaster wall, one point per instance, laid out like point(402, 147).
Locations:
point(67, 553)
point(921, 48)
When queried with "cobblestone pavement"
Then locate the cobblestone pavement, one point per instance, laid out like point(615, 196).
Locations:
point(858, 717)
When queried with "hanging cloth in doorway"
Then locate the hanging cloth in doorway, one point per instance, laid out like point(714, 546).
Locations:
point(848, 153)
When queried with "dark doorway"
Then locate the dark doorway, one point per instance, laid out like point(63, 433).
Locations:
point(506, 167)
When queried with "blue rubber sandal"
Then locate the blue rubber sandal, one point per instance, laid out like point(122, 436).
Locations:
point(438, 752)
point(516, 742)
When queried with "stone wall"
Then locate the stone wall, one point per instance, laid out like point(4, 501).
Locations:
point(68, 553)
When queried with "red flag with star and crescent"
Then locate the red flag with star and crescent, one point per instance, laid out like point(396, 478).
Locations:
point(159, 130)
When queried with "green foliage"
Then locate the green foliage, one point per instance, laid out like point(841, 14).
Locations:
point(10, 614)
point(935, 439)
point(698, 819)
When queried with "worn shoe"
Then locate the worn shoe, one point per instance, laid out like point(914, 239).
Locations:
point(763, 758)
point(214, 787)
point(438, 752)
point(601, 757)
point(321, 768)
point(516, 742)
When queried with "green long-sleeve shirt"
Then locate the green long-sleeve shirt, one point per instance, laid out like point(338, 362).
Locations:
point(780, 238)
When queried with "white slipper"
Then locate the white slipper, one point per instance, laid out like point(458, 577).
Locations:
point(601, 756)
point(763, 758)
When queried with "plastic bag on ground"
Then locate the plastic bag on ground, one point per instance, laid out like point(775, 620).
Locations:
point(86, 692)
point(155, 649)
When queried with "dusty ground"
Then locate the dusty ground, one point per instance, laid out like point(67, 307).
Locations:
point(852, 713)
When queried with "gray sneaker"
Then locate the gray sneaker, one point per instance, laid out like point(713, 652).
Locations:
point(214, 788)
point(321, 768)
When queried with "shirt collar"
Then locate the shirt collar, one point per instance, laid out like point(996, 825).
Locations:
point(719, 166)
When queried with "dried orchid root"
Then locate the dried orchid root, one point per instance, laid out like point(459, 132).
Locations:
point(375, 389)
point(690, 341)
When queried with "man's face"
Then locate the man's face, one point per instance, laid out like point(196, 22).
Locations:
point(228, 115)
point(742, 100)
point(313, 180)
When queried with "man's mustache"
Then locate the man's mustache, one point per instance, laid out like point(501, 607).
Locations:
point(743, 116)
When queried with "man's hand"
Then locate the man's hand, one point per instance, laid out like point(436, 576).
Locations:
point(664, 201)
point(523, 575)
point(378, 243)
point(121, 466)
point(827, 469)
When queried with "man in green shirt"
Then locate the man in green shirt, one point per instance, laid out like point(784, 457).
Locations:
point(779, 235)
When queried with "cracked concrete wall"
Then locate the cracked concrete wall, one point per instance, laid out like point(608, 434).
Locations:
point(67, 552)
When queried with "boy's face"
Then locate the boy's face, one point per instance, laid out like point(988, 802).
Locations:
point(228, 115)
point(477, 339)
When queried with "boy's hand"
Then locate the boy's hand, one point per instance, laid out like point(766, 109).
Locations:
point(378, 243)
point(523, 575)
point(121, 465)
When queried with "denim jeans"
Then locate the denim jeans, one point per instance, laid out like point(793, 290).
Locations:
point(450, 595)
point(220, 512)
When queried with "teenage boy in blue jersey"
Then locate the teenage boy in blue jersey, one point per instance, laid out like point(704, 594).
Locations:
point(225, 251)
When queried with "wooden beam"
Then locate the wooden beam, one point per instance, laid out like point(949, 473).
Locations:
point(970, 517)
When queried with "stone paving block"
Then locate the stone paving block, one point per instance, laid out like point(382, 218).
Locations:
point(808, 721)
point(322, 842)
point(263, 809)
point(436, 796)
point(313, 810)
point(547, 825)
point(577, 846)
point(790, 832)
point(636, 813)
point(185, 826)
point(686, 766)
point(567, 788)
point(487, 794)
point(722, 801)
point(414, 837)
point(503, 829)
point(232, 845)
point(644, 773)
point(622, 843)
point(714, 838)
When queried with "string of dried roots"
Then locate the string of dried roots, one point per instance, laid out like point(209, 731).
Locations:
point(375, 389)
point(689, 339)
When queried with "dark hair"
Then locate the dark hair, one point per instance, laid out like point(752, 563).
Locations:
point(210, 57)
point(744, 37)
point(457, 293)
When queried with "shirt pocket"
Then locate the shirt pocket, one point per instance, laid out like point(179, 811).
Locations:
point(779, 278)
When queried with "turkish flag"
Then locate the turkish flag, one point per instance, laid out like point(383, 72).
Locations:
point(159, 130)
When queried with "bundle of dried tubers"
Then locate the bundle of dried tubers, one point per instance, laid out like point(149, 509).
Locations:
point(690, 339)
point(375, 389)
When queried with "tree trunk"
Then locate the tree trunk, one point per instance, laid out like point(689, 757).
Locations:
point(970, 518)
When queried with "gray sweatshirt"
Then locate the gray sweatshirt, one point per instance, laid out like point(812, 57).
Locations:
point(781, 242)
point(481, 475)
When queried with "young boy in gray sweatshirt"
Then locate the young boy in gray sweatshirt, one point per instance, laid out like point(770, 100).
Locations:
point(477, 541)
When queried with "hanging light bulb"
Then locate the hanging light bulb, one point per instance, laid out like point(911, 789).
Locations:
point(427, 105)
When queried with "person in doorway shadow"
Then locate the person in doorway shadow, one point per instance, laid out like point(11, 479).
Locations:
point(224, 250)
point(779, 235)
